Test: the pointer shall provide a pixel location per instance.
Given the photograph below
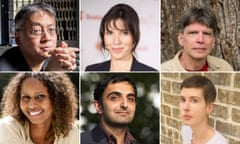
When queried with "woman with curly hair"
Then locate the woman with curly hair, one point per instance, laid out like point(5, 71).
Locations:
point(39, 108)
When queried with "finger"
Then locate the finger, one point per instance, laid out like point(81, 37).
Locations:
point(63, 44)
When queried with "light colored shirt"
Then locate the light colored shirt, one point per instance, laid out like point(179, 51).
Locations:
point(186, 132)
point(13, 132)
point(214, 64)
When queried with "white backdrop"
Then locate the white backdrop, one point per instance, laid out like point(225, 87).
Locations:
point(148, 48)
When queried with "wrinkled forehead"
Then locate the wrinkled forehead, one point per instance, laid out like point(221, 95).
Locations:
point(40, 18)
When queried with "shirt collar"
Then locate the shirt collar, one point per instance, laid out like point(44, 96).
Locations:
point(129, 139)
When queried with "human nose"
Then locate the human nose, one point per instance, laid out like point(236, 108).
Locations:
point(200, 38)
point(46, 35)
point(116, 39)
point(32, 103)
point(124, 103)
point(184, 105)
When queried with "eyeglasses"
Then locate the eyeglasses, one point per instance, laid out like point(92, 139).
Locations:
point(40, 30)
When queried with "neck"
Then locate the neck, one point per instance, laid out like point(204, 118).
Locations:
point(118, 132)
point(201, 133)
point(190, 63)
point(121, 64)
point(40, 134)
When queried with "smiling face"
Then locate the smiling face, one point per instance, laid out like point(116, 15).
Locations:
point(197, 41)
point(33, 44)
point(35, 102)
point(193, 108)
point(118, 40)
point(118, 104)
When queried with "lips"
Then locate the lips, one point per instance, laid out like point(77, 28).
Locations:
point(117, 50)
point(46, 48)
point(35, 113)
point(187, 117)
point(123, 113)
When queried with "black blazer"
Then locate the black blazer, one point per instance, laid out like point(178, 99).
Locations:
point(105, 66)
point(95, 136)
point(13, 60)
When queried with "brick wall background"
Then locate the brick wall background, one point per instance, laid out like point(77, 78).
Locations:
point(226, 114)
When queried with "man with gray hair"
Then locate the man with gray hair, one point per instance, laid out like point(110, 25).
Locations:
point(36, 37)
point(198, 30)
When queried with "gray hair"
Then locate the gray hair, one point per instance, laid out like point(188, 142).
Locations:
point(201, 15)
point(30, 9)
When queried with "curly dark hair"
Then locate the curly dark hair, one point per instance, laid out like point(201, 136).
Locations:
point(62, 93)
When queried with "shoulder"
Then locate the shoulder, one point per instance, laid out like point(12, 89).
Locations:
point(11, 59)
point(218, 64)
point(218, 138)
point(173, 64)
point(138, 66)
point(11, 130)
point(72, 137)
point(94, 136)
point(103, 66)
point(186, 133)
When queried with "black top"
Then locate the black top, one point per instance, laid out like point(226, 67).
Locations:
point(105, 66)
point(13, 60)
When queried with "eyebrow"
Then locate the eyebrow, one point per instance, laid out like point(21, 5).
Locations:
point(118, 93)
point(39, 24)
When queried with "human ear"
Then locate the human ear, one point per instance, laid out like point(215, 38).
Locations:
point(180, 39)
point(98, 106)
point(210, 108)
point(17, 38)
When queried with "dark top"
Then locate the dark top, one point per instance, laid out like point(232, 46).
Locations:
point(98, 136)
point(105, 66)
point(13, 60)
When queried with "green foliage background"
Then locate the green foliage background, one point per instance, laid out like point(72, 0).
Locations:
point(145, 127)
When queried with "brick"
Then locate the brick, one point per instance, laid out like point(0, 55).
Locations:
point(237, 80)
point(165, 85)
point(220, 111)
point(229, 97)
point(165, 110)
point(171, 100)
point(220, 78)
point(236, 115)
point(174, 123)
point(176, 87)
point(176, 113)
point(228, 129)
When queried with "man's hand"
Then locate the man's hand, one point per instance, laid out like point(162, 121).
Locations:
point(63, 58)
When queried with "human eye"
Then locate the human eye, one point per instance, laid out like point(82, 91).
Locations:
point(192, 33)
point(52, 30)
point(40, 97)
point(25, 98)
point(125, 32)
point(182, 99)
point(131, 99)
point(36, 30)
point(108, 32)
point(208, 33)
point(194, 100)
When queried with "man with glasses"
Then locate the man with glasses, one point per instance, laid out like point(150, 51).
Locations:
point(36, 37)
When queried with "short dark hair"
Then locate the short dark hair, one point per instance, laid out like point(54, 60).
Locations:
point(101, 85)
point(197, 81)
point(129, 17)
point(30, 9)
point(201, 15)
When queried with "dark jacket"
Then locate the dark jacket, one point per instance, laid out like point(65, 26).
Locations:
point(13, 60)
point(105, 66)
point(96, 136)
